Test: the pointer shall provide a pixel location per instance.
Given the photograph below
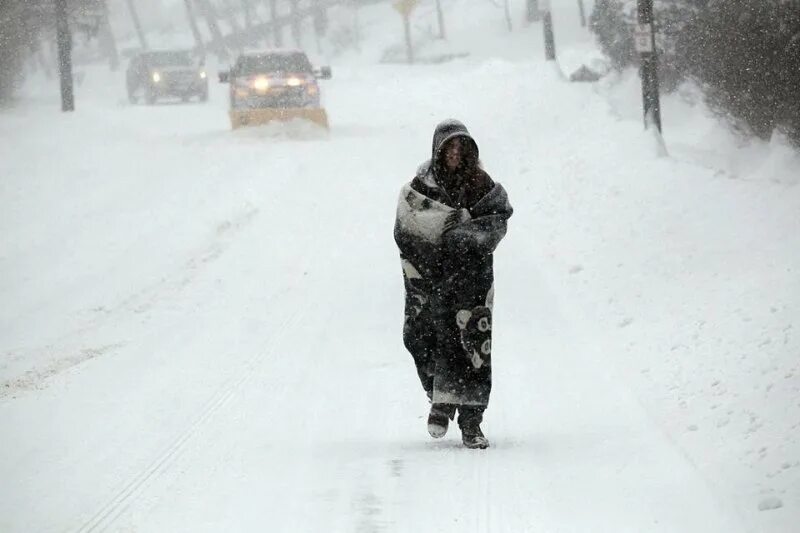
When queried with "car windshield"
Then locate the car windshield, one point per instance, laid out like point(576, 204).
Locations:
point(264, 64)
point(170, 59)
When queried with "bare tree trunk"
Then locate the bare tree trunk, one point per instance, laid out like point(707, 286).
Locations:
point(319, 16)
point(107, 41)
point(277, 31)
point(247, 10)
point(230, 15)
point(198, 38)
point(137, 24)
point(532, 12)
point(440, 19)
point(507, 11)
point(43, 63)
point(64, 39)
point(357, 25)
point(295, 18)
point(407, 33)
point(210, 15)
point(549, 37)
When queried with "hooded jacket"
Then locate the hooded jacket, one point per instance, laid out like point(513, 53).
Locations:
point(447, 222)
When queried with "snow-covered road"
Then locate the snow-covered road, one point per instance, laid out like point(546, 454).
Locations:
point(200, 329)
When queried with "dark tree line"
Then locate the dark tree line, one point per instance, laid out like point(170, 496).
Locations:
point(744, 54)
point(20, 24)
point(26, 28)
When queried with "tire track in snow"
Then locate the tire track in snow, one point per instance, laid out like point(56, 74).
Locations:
point(108, 514)
point(138, 302)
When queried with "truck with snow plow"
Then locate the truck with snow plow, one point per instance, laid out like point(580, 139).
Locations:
point(277, 85)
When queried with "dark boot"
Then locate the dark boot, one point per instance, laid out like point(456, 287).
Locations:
point(473, 438)
point(469, 420)
point(439, 418)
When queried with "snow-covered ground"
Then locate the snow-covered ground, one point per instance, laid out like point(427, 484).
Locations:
point(200, 329)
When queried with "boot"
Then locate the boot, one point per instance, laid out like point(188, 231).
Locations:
point(439, 419)
point(473, 438)
point(469, 420)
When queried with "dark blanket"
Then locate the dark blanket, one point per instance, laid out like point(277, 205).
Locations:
point(446, 253)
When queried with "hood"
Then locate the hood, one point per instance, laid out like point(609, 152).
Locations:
point(450, 129)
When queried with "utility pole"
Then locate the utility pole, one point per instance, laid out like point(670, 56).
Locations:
point(64, 39)
point(645, 41)
point(549, 38)
point(137, 24)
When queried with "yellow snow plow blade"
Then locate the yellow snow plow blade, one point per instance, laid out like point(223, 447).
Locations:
point(259, 117)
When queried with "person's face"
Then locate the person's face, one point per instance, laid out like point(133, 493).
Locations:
point(452, 154)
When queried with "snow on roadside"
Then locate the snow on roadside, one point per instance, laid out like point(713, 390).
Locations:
point(688, 267)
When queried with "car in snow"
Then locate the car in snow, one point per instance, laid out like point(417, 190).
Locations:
point(166, 73)
point(277, 85)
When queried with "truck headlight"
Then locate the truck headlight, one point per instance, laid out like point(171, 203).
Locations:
point(261, 84)
point(156, 77)
point(294, 82)
point(203, 74)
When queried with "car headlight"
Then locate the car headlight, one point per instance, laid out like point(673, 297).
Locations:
point(294, 82)
point(203, 74)
point(156, 77)
point(261, 84)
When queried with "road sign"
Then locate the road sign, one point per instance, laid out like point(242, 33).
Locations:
point(643, 38)
point(405, 7)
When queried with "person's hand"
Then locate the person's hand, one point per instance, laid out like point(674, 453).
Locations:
point(459, 216)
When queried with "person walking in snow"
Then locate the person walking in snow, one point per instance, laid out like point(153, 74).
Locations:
point(450, 219)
